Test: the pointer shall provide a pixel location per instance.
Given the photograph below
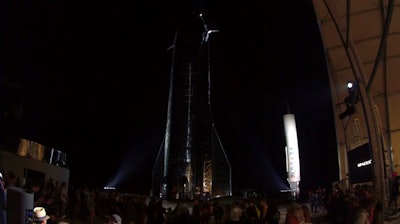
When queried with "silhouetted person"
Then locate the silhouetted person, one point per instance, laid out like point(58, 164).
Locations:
point(394, 192)
point(3, 201)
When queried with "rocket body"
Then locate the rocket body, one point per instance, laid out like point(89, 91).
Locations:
point(292, 153)
point(191, 162)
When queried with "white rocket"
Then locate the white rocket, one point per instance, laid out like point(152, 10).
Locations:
point(292, 154)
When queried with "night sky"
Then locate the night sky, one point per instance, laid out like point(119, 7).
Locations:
point(95, 79)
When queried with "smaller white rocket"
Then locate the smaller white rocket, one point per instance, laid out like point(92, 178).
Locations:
point(292, 154)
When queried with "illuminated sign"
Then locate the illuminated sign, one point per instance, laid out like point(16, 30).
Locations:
point(360, 164)
point(365, 163)
point(109, 188)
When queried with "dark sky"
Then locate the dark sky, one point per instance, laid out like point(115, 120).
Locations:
point(95, 80)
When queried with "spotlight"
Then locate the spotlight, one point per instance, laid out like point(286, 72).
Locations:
point(350, 85)
point(351, 99)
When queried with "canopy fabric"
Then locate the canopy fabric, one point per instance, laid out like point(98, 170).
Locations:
point(361, 40)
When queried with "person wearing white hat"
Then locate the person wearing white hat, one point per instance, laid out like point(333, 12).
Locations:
point(40, 216)
point(114, 219)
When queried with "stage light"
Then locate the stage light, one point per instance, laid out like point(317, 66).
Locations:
point(351, 99)
point(354, 95)
point(350, 85)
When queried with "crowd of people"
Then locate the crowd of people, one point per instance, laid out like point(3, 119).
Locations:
point(358, 205)
point(141, 209)
point(56, 202)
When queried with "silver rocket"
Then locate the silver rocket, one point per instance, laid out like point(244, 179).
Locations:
point(191, 161)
